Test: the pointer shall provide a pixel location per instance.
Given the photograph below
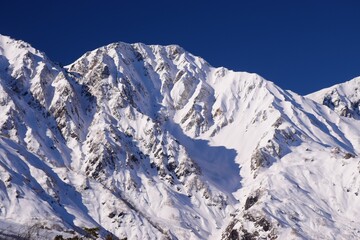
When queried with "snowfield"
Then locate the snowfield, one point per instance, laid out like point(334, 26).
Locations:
point(151, 142)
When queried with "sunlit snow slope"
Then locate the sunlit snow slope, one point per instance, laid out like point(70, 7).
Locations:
point(150, 142)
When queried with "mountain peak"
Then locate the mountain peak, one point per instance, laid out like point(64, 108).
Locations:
point(343, 98)
point(10, 46)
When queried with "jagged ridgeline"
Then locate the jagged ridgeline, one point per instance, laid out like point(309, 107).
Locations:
point(151, 142)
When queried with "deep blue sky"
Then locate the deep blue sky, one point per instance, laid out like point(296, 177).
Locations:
point(301, 45)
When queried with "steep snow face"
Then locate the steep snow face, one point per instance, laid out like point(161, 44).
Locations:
point(136, 145)
point(306, 150)
point(26, 94)
point(343, 98)
point(147, 142)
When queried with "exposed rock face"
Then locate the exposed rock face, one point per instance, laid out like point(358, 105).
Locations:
point(151, 142)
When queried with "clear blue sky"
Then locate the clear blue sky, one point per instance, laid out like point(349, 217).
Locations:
point(301, 45)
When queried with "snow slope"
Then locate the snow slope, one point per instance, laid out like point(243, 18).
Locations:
point(151, 142)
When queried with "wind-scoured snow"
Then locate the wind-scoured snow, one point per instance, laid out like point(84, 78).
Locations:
point(151, 142)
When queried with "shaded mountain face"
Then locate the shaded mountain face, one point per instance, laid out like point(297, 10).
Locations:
point(150, 142)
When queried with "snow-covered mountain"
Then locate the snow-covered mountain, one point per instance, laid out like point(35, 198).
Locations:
point(151, 142)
